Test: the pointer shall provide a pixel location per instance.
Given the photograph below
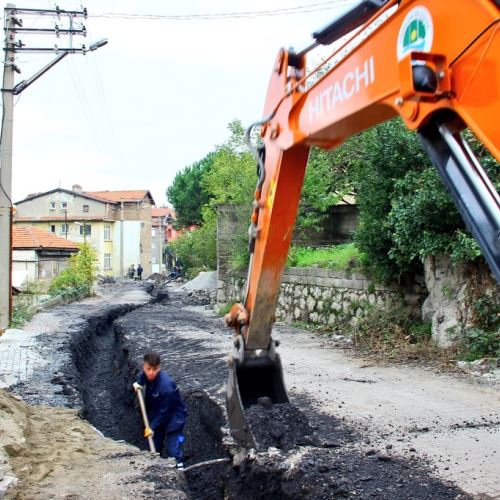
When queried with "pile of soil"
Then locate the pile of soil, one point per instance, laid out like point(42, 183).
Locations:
point(280, 426)
point(51, 452)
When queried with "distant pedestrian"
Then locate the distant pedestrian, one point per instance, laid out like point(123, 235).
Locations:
point(139, 271)
point(131, 271)
point(166, 410)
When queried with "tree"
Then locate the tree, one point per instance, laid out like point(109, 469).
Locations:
point(230, 177)
point(187, 193)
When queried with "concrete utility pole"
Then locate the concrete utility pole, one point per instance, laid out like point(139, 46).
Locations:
point(12, 25)
point(6, 172)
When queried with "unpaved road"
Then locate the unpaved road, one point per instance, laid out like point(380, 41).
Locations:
point(452, 422)
point(379, 432)
point(402, 417)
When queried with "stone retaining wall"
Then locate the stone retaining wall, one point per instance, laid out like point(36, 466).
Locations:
point(313, 295)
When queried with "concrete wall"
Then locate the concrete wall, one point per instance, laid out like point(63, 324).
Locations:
point(338, 227)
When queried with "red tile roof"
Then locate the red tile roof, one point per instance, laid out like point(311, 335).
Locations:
point(116, 196)
point(162, 212)
point(32, 237)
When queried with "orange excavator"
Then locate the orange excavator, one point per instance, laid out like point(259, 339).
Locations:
point(436, 64)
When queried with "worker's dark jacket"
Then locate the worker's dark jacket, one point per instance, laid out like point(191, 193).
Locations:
point(163, 403)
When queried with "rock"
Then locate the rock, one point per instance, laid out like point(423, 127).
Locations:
point(371, 452)
point(265, 401)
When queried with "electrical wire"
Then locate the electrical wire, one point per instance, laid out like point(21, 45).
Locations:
point(301, 9)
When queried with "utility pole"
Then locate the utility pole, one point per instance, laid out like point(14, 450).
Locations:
point(13, 25)
point(6, 208)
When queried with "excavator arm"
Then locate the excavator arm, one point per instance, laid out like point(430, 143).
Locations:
point(434, 63)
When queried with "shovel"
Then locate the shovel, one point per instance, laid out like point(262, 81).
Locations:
point(146, 420)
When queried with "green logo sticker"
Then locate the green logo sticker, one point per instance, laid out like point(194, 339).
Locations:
point(416, 32)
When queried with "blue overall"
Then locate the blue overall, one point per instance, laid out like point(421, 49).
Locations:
point(166, 412)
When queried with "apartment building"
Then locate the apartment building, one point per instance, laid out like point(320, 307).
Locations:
point(116, 223)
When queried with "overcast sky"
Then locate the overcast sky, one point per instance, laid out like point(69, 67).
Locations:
point(158, 97)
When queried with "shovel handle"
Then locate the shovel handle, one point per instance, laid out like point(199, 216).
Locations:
point(146, 420)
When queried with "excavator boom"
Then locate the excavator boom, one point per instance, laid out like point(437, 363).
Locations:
point(434, 63)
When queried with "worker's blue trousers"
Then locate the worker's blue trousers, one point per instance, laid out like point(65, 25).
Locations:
point(174, 440)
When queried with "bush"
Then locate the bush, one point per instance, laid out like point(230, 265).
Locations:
point(392, 333)
point(20, 314)
point(196, 249)
point(79, 276)
point(479, 343)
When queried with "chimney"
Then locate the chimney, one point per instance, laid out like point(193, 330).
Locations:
point(77, 188)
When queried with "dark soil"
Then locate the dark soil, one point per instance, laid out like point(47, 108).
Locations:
point(320, 456)
point(281, 426)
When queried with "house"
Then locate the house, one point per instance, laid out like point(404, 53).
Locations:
point(116, 223)
point(133, 224)
point(38, 254)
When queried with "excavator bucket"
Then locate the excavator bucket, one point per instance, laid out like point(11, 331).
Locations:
point(248, 382)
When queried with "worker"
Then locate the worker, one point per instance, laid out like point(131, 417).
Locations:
point(165, 408)
point(139, 271)
point(131, 271)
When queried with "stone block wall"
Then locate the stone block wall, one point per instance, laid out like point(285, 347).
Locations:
point(319, 296)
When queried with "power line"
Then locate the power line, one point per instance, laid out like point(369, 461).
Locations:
point(313, 7)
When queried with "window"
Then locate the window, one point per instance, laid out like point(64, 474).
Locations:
point(64, 205)
point(64, 229)
point(52, 228)
point(52, 205)
point(86, 208)
point(153, 245)
point(153, 233)
point(107, 232)
point(107, 261)
point(153, 259)
point(87, 231)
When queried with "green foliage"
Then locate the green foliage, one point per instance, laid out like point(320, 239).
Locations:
point(487, 312)
point(229, 179)
point(20, 314)
point(78, 277)
point(405, 211)
point(232, 178)
point(385, 154)
point(438, 227)
point(479, 343)
point(328, 181)
point(339, 257)
point(187, 193)
point(197, 249)
point(224, 309)
point(392, 333)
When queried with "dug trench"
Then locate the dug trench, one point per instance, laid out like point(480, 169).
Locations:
point(304, 454)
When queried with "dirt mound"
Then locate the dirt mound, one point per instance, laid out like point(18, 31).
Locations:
point(206, 280)
point(53, 453)
point(280, 425)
